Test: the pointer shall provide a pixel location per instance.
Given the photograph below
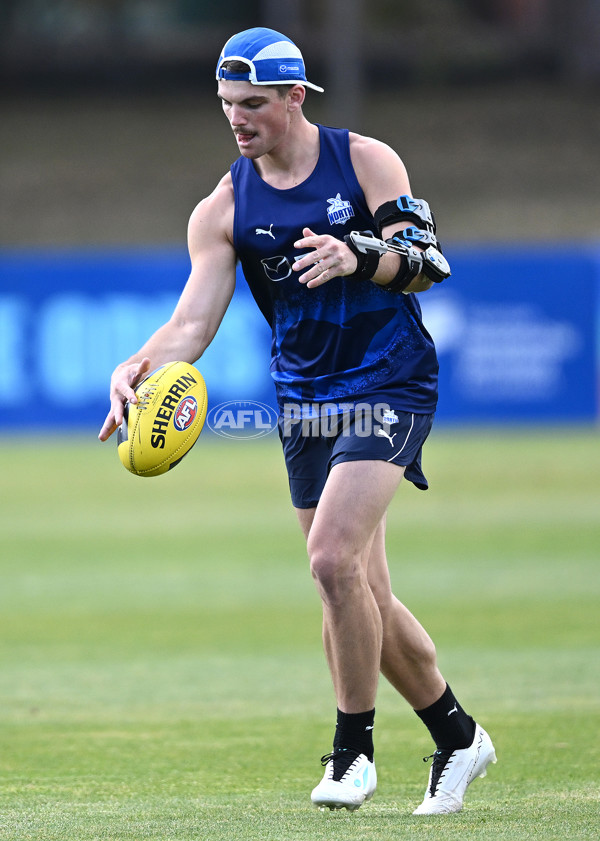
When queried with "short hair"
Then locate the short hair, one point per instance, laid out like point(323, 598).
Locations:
point(235, 66)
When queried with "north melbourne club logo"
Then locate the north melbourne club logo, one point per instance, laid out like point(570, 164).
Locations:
point(339, 211)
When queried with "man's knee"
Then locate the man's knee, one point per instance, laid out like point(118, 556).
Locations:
point(335, 570)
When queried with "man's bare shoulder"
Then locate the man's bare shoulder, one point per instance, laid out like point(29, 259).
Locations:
point(214, 213)
point(368, 151)
point(379, 169)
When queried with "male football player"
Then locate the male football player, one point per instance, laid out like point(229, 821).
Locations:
point(334, 248)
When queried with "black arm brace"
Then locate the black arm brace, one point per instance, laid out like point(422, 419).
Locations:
point(422, 233)
point(413, 261)
point(365, 245)
point(367, 260)
point(408, 209)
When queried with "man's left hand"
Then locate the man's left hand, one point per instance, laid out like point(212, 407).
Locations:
point(330, 258)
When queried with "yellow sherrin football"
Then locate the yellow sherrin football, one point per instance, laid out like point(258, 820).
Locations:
point(163, 426)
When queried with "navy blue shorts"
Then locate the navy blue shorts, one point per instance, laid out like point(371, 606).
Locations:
point(312, 447)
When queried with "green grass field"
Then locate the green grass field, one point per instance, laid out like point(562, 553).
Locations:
point(161, 672)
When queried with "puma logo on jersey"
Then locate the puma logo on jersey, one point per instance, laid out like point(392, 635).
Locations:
point(268, 233)
point(387, 435)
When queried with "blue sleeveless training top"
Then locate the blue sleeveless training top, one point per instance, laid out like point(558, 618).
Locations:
point(346, 341)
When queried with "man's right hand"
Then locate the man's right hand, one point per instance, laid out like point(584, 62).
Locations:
point(122, 385)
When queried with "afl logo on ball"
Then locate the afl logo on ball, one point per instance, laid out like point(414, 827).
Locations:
point(185, 413)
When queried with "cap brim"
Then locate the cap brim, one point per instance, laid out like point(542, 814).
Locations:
point(252, 75)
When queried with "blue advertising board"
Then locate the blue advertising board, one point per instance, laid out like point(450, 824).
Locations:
point(516, 331)
point(517, 335)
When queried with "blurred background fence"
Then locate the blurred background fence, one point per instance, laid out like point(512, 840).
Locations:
point(110, 133)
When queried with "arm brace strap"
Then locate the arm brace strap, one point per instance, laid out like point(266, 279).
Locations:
point(419, 237)
point(411, 264)
point(405, 209)
point(367, 258)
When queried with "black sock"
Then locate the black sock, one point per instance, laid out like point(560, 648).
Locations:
point(450, 726)
point(354, 731)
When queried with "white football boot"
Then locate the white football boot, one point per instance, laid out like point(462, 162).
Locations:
point(357, 781)
point(452, 771)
